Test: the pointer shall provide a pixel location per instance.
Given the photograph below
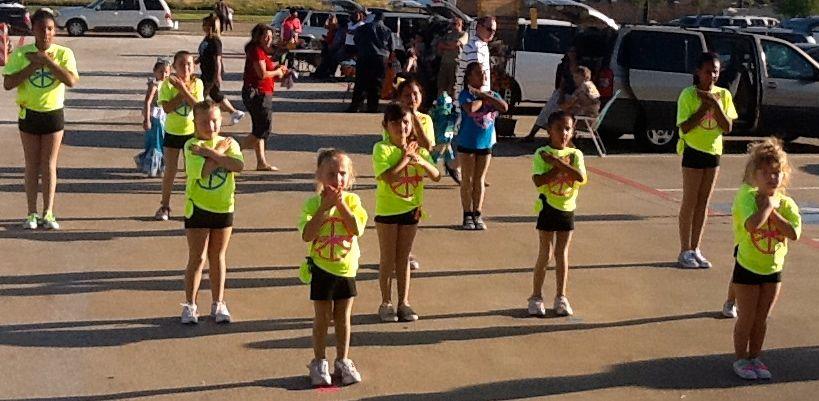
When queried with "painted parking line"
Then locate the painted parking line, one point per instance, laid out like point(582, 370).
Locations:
point(737, 189)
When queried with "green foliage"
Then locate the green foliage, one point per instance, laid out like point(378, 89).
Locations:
point(797, 8)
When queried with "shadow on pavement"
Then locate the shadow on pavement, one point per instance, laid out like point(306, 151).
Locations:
point(431, 337)
point(798, 364)
point(170, 280)
point(811, 169)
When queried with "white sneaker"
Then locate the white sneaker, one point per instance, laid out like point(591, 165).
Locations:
point(219, 312)
point(701, 260)
point(49, 222)
point(236, 116)
point(745, 370)
point(413, 263)
point(163, 213)
point(346, 369)
point(320, 373)
point(729, 309)
point(536, 307)
point(31, 221)
point(761, 370)
point(562, 306)
point(687, 260)
point(189, 315)
point(386, 312)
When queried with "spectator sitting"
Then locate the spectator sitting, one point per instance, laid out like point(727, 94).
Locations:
point(585, 101)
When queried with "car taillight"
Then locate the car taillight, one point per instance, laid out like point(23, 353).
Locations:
point(168, 16)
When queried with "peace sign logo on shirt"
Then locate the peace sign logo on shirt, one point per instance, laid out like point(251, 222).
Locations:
point(42, 78)
point(407, 181)
point(767, 237)
point(335, 245)
point(214, 181)
point(183, 110)
point(709, 122)
point(563, 185)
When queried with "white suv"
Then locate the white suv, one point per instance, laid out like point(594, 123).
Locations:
point(143, 16)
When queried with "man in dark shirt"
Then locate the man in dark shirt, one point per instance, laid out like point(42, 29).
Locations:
point(374, 45)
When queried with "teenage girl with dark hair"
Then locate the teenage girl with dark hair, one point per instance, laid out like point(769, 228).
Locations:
point(40, 72)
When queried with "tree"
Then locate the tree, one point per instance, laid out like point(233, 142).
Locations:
point(797, 8)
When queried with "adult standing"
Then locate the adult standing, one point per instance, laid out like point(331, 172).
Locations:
point(375, 45)
point(212, 68)
point(40, 72)
point(291, 27)
point(257, 90)
point(449, 48)
point(477, 50)
point(223, 11)
point(704, 112)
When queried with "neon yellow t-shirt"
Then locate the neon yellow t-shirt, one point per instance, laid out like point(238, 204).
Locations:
point(180, 121)
point(41, 91)
point(426, 126)
point(336, 248)
point(408, 192)
point(561, 193)
point(707, 136)
point(214, 193)
point(762, 251)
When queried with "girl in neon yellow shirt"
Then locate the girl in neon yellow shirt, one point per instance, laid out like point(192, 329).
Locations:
point(331, 222)
point(765, 219)
point(177, 95)
point(558, 172)
point(704, 113)
point(40, 72)
point(399, 165)
point(211, 163)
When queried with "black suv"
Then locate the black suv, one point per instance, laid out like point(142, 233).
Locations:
point(16, 16)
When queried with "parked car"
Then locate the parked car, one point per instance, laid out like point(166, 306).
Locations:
point(808, 25)
point(143, 16)
point(742, 21)
point(695, 21)
point(538, 51)
point(782, 33)
point(775, 84)
point(16, 16)
point(812, 49)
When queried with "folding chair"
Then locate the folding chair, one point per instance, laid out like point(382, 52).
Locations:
point(587, 127)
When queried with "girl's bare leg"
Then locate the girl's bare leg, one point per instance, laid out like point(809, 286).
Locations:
point(342, 310)
point(197, 246)
point(49, 150)
point(31, 181)
point(406, 236)
point(320, 323)
point(217, 268)
point(563, 240)
point(387, 242)
point(543, 257)
point(768, 293)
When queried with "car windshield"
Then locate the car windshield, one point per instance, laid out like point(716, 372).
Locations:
point(94, 4)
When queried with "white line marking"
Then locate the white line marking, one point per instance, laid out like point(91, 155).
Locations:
point(736, 189)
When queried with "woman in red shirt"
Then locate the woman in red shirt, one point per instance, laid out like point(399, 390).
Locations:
point(257, 91)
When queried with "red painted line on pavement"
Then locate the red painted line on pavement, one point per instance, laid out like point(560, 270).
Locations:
point(645, 188)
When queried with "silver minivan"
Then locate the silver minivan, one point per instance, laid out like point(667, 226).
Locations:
point(143, 16)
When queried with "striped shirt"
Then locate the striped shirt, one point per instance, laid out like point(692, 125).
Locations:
point(475, 50)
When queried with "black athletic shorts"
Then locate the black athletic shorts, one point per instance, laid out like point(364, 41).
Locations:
point(204, 219)
point(175, 141)
point(479, 152)
point(744, 276)
point(693, 158)
point(215, 92)
point(259, 104)
point(42, 123)
point(325, 286)
point(551, 219)
point(405, 219)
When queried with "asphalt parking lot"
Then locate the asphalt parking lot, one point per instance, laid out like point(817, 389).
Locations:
point(90, 312)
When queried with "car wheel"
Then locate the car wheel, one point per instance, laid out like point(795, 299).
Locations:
point(146, 29)
point(655, 139)
point(75, 27)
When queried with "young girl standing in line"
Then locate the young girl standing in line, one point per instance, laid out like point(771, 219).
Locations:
point(153, 122)
point(475, 140)
point(331, 223)
point(211, 163)
point(764, 219)
point(210, 63)
point(177, 95)
point(704, 113)
point(558, 171)
point(399, 165)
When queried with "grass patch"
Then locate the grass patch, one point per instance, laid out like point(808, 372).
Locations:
point(189, 8)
